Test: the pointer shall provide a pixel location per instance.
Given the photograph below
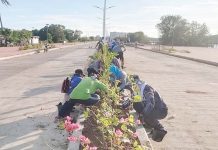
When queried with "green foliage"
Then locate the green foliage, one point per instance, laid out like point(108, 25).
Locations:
point(177, 31)
point(83, 39)
point(26, 47)
point(213, 39)
point(57, 34)
point(108, 116)
point(17, 36)
point(137, 37)
point(69, 35)
point(6, 2)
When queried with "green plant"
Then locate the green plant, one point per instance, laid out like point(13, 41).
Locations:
point(116, 126)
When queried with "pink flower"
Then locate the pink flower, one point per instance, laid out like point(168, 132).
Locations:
point(118, 133)
point(68, 118)
point(75, 126)
point(70, 127)
point(135, 135)
point(93, 148)
point(107, 114)
point(138, 122)
point(122, 120)
point(87, 141)
point(84, 140)
point(72, 139)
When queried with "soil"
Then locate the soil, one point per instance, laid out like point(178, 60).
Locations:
point(94, 134)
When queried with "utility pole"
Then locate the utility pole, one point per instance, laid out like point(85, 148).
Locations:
point(104, 18)
point(172, 43)
point(47, 32)
point(1, 24)
point(104, 9)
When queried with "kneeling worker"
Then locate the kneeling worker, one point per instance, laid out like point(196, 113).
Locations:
point(152, 108)
point(83, 93)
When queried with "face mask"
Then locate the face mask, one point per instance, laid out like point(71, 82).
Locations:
point(139, 82)
point(94, 77)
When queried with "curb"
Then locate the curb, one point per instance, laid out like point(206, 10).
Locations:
point(77, 133)
point(35, 52)
point(183, 57)
point(19, 55)
point(142, 134)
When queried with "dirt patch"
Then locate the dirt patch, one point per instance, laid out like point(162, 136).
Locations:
point(92, 131)
point(195, 92)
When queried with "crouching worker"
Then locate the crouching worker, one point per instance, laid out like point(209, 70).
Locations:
point(74, 81)
point(83, 93)
point(95, 67)
point(152, 108)
point(118, 74)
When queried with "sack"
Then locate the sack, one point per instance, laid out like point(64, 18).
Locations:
point(65, 86)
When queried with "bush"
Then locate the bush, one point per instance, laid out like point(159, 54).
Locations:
point(117, 127)
point(26, 47)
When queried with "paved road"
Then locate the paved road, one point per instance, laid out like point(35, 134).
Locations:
point(190, 90)
point(202, 53)
point(29, 91)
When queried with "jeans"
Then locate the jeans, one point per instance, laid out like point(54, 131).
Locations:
point(68, 105)
point(123, 80)
point(152, 119)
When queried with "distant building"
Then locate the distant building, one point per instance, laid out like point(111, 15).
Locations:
point(34, 40)
point(114, 35)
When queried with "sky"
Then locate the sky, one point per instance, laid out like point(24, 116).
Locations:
point(126, 16)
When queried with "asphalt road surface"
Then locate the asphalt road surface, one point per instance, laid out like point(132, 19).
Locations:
point(29, 90)
point(191, 91)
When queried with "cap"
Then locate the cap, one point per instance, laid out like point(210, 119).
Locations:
point(79, 71)
point(135, 78)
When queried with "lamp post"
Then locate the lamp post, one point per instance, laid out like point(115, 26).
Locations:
point(104, 9)
point(47, 32)
point(173, 34)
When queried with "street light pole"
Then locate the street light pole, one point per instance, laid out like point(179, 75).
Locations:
point(47, 32)
point(172, 38)
point(104, 18)
point(104, 9)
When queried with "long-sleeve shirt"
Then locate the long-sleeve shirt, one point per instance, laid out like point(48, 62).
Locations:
point(116, 72)
point(87, 87)
point(150, 98)
point(75, 80)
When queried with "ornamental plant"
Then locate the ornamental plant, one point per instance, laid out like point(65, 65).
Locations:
point(70, 127)
point(117, 126)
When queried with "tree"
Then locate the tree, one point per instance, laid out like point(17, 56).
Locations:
point(177, 31)
point(137, 37)
point(213, 39)
point(6, 33)
point(42, 34)
point(6, 2)
point(69, 35)
point(57, 33)
point(35, 32)
point(77, 34)
point(24, 36)
point(197, 35)
point(173, 30)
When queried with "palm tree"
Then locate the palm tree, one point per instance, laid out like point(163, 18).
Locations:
point(6, 2)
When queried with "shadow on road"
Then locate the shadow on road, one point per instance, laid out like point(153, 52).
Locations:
point(41, 90)
point(35, 133)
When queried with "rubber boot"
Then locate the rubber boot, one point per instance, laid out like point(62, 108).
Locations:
point(158, 134)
